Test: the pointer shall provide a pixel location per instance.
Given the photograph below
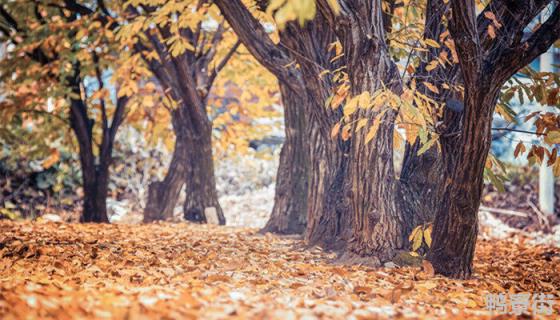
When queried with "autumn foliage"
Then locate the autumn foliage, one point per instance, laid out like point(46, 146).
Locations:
point(389, 111)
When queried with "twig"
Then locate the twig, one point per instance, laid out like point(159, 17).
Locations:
point(521, 131)
point(543, 220)
point(504, 211)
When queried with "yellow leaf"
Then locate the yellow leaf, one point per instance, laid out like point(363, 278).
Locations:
point(432, 43)
point(52, 159)
point(335, 130)
point(432, 65)
point(428, 144)
point(417, 241)
point(556, 168)
point(374, 127)
point(397, 140)
point(346, 132)
point(414, 232)
point(428, 236)
point(351, 107)
point(552, 137)
point(334, 6)
point(364, 99)
point(431, 87)
point(361, 123)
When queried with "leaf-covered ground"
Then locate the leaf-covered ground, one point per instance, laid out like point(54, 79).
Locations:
point(182, 271)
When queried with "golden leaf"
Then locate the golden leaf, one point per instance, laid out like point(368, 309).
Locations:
point(335, 130)
point(431, 87)
point(428, 236)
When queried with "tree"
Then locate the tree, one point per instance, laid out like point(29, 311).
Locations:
point(498, 55)
point(289, 212)
point(61, 54)
point(371, 92)
point(184, 57)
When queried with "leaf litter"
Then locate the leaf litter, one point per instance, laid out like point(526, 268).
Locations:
point(186, 271)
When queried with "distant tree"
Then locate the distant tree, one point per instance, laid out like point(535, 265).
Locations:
point(61, 55)
point(186, 57)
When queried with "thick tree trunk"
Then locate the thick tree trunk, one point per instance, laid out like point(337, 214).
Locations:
point(192, 165)
point(163, 195)
point(290, 200)
point(464, 158)
point(201, 202)
point(329, 219)
point(369, 180)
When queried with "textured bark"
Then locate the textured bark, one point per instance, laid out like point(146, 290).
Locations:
point(290, 201)
point(187, 79)
point(485, 66)
point(328, 205)
point(329, 222)
point(422, 177)
point(304, 46)
point(200, 183)
point(163, 195)
point(456, 224)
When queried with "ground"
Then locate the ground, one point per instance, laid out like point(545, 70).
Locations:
point(64, 271)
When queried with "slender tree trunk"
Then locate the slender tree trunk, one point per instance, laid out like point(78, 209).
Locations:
point(201, 202)
point(290, 200)
point(96, 185)
point(464, 158)
point(95, 178)
point(163, 195)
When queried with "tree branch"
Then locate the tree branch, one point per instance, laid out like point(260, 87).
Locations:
point(222, 64)
point(463, 28)
point(512, 60)
point(252, 34)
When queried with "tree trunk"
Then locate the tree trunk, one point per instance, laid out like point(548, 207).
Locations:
point(201, 202)
point(290, 200)
point(328, 219)
point(163, 195)
point(95, 178)
point(464, 158)
point(369, 179)
point(96, 185)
